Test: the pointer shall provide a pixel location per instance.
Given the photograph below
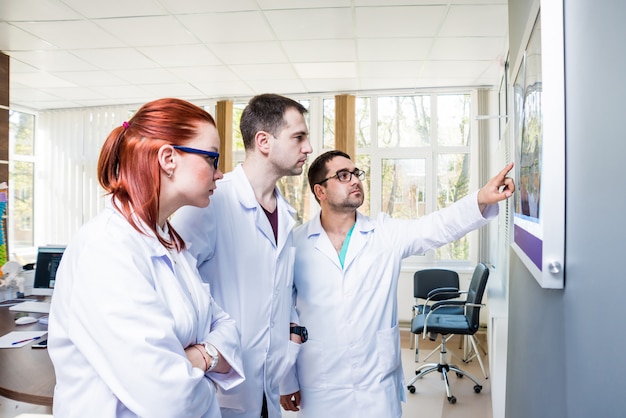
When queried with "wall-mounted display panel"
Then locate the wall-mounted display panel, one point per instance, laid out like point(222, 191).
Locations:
point(539, 140)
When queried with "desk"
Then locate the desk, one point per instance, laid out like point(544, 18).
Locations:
point(26, 375)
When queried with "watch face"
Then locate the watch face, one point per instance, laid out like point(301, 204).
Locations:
point(301, 331)
point(210, 349)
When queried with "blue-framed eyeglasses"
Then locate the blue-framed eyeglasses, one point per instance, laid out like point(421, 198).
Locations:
point(211, 157)
point(345, 176)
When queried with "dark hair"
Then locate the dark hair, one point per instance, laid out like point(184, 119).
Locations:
point(128, 168)
point(318, 171)
point(265, 112)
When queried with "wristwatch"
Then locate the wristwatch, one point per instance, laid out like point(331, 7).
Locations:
point(214, 356)
point(301, 331)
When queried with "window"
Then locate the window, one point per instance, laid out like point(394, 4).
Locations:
point(21, 176)
point(415, 150)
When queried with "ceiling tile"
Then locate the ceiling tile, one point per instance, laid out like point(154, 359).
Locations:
point(40, 80)
point(147, 76)
point(450, 69)
point(215, 73)
point(481, 20)
point(386, 3)
point(204, 6)
point(399, 22)
point(35, 10)
point(124, 92)
point(387, 83)
point(116, 8)
point(264, 71)
point(29, 94)
point(302, 4)
point(325, 50)
point(335, 85)
point(316, 70)
point(89, 78)
point(173, 90)
point(281, 86)
point(335, 23)
point(396, 49)
point(115, 58)
point(71, 34)
point(400, 69)
point(13, 38)
point(224, 89)
point(473, 48)
point(228, 27)
point(148, 31)
point(249, 52)
point(52, 60)
point(120, 52)
point(72, 93)
point(180, 55)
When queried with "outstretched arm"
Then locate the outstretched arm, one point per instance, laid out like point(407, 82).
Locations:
point(498, 188)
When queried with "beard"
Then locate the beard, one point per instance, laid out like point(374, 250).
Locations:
point(353, 201)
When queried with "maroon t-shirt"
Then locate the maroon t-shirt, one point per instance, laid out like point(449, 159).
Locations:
point(273, 218)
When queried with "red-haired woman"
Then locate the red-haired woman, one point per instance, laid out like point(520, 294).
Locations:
point(133, 331)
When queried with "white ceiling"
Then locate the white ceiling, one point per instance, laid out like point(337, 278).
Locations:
point(76, 53)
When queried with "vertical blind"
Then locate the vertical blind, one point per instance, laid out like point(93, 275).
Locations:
point(67, 147)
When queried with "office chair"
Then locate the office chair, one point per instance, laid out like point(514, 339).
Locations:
point(424, 282)
point(447, 283)
point(445, 324)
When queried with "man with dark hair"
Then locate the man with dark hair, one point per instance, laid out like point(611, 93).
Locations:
point(243, 243)
point(346, 281)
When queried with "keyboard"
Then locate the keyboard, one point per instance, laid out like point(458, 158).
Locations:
point(32, 306)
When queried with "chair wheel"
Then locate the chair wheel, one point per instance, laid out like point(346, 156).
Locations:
point(411, 388)
point(459, 375)
point(478, 388)
point(452, 400)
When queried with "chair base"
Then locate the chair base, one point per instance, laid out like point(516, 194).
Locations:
point(444, 368)
point(470, 351)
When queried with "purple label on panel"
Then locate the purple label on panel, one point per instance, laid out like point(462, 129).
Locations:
point(532, 246)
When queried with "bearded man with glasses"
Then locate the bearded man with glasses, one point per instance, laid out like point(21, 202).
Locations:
point(346, 280)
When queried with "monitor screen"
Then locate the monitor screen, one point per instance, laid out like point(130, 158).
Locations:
point(48, 259)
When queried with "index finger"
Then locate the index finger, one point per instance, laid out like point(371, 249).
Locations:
point(506, 170)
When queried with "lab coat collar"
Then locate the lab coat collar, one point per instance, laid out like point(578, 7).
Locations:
point(148, 237)
point(364, 226)
point(247, 199)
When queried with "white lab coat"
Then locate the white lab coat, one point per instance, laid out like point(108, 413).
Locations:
point(351, 367)
point(122, 313)
point(251, 277)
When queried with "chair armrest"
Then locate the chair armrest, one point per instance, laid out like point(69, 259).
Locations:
point(446, 292)
point(445, 303)
point(443, 291)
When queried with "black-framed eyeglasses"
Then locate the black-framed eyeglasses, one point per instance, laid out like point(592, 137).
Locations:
point(211, 157)
point(345, 176)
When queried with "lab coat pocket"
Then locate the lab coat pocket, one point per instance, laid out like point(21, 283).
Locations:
point(289, 362)
point(388, 348)
point(311, 365)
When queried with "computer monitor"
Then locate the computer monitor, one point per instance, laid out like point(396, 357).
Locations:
point(48, 259)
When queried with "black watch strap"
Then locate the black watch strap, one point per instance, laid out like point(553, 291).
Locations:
point(301, 331)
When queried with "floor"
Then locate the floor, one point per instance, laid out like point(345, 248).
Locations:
point(429, 399)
